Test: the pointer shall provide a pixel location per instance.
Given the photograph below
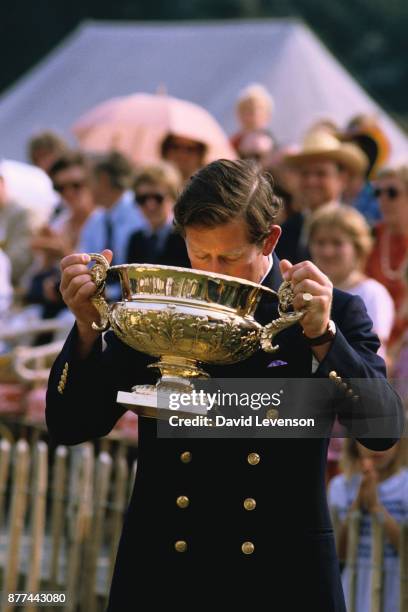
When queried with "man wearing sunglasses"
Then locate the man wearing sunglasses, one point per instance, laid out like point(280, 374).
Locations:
point(186, 154)
point(156, 188)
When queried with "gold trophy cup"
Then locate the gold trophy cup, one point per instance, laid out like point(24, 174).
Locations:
point(185, 318)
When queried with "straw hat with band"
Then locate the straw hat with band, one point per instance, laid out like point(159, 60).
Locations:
point(321, 145)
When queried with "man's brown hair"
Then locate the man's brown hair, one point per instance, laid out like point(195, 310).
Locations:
point(226, 190)
point(117, 167)
point(68, 160)
point(47, 141)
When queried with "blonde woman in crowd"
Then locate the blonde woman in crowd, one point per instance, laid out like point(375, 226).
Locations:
point(376, 484)
point(389, 258)
point(340, 243)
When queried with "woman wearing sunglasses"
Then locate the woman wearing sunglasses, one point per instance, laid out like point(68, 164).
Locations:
point(389, 258)
point(156, 188)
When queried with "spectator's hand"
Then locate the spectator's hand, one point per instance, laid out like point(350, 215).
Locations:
point(367, 497)
point(43, 243)
point(49, 289)
point(52, 244)
point(307, 278)
point(77, 288)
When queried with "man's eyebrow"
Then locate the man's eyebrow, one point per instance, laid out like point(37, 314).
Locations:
point(234, 252)
point(237, 251)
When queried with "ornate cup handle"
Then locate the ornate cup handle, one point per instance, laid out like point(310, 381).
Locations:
point(286, 319)
point(98, 273)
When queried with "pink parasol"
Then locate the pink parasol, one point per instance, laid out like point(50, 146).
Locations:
point(137, 125)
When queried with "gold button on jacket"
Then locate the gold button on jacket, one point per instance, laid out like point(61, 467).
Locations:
point(180, 546)
point(186, 457)
point(183, 501)
point(249, 503)
point(247, 548)
point(253, 458)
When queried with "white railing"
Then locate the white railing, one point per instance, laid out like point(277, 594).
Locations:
point(376, 562)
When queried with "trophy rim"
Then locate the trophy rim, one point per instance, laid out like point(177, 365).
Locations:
point(195, 272)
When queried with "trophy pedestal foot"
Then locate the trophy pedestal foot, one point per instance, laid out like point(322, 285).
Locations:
point(150, 401)
point(181, 368)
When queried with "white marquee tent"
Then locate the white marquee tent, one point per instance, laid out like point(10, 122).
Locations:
point(206, 63)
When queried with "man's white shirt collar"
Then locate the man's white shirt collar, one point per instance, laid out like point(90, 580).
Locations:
point(270, 266)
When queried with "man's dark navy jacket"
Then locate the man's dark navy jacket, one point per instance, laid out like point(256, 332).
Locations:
point(294, 560)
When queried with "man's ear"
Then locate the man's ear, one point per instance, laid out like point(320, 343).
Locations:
point(271, 240)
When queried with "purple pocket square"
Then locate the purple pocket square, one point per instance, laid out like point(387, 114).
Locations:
point(277, 362)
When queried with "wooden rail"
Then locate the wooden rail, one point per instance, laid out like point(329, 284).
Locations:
point(60, 527)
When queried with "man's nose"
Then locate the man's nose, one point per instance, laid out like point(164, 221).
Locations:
point(216, 266)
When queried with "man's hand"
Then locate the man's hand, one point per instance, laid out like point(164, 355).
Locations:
point(307, 278)
point(77, 288)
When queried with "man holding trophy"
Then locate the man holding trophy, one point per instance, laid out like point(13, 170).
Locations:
point(252, 512)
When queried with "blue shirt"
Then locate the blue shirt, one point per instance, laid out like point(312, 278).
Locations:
point(125, 217)
point(367, 204)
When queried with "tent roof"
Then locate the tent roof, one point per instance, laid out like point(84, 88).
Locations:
point(207, 63)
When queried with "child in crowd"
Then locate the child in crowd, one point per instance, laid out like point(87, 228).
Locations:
point(375, 483)
point(340, 242)
point(254, 112)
